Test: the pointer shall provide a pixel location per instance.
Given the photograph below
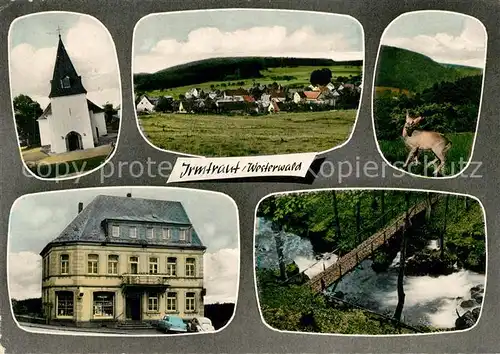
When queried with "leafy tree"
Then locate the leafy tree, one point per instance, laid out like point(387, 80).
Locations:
point(164, 105)
point(27, 111)
point(109, 112)
point(321, 77)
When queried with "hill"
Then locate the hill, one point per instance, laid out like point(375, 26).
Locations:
point(226, 69)
point(404, 69)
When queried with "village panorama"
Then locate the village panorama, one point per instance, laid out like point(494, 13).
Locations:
point(249, 106)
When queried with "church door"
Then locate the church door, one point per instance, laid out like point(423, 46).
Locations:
point(74, 141)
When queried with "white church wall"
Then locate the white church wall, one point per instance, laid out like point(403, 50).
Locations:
point(100, 123)
point(94, 131)
point(70, 113)
point(145, 106)
point(44, 129)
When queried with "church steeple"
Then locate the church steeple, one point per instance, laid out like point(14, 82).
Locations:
point(65, 80)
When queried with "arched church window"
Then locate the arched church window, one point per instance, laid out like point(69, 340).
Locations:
point(65, 82)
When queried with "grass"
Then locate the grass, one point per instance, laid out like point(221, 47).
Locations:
point(219, 135)
point(62, 169)
point(301, 73)
point(457, 158)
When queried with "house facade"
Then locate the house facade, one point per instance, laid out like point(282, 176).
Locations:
point(124, 259)
point(70, 121)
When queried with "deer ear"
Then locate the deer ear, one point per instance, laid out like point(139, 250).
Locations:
point(407, 114)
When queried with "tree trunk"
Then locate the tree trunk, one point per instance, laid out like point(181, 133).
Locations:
point(428, 211)
point(382, 205)
point(402, 261)
point(278, 238)
point(358, 220)
point(336, 215)
point(447, 200)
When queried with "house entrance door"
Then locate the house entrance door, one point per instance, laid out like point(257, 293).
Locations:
point(133, 303)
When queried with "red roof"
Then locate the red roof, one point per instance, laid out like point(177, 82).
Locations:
point(312, 95)
point(248, 98)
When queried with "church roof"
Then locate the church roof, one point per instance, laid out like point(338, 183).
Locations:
point(64, 70)
point(91, 106)
point(89, 225)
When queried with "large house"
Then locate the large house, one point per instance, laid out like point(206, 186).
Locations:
point(70, 121)
point(123, 258)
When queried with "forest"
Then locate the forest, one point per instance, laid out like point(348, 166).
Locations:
point(337, 222)
point(222, 69)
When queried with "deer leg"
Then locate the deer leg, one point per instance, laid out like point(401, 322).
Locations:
point(415, 158)
point(440, 155)
point(410, 157)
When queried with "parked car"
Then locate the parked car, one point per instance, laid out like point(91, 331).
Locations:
point(203, 324)
point(172, 324)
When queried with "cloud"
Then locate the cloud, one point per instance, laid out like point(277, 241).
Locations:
point(92, 52)
point(25, 275)
point(221, 275)
point(468, 48)
point(210, 42)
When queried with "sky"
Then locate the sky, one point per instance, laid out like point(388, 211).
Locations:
point(448, 38)
point(33, 43)
point(36, 219)
point(170, 39)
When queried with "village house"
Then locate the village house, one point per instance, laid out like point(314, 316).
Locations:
point(71, 121)
point(147, 104)
point(123, 259)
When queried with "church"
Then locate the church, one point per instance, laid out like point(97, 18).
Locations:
point(71, 121)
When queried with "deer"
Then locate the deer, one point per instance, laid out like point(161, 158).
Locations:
point(418, 140)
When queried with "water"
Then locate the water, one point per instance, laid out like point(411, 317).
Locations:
point(429, 300)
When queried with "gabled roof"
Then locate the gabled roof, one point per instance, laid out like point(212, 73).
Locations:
point(88, 225)
point(312, 95)
point(237, 92)
point(248, 98)
point(63, 68)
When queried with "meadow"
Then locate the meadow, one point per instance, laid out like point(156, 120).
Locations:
point(224, 135)
point(457, 158)
point(301, 77)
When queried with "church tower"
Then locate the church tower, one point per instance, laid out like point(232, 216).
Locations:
point(70, 122)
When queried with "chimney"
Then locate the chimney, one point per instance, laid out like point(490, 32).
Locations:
point(80, 207)
point(129, 195)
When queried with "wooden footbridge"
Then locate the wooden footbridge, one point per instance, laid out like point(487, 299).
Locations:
point(348, 262)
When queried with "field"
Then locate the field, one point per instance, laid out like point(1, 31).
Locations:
point(219, 135)
point(457, 158)
point(301, 74)
point(383, 89)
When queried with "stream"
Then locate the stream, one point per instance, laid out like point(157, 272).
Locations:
point(429, 300)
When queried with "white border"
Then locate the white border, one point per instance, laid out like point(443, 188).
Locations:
point(41, 14)
point(375, 73)
point(97, 191)
point(181, 154)
point(367, 335)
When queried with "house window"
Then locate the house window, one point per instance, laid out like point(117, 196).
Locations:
point(65, 83)
point(150, 232)
point(190, 302)
point(153, 265)
point(172, 266)
point(172, 302)
point(113, 264)
point(93, 264)
point(182, 235)
point(103, 304)
point(64, 264)
point(133, 232)
point(190, 267)
point(134, 265)
point(166, 233)
point(115, 231)
point(153, 303)
point(64, 304)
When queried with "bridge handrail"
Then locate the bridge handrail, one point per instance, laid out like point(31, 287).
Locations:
point(369, 242)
